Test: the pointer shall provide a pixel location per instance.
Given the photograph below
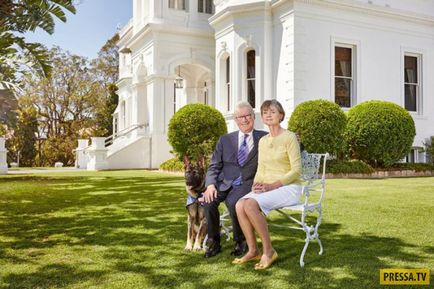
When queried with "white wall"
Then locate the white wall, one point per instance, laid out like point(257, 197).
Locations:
point(134, 155)
point(380, 41)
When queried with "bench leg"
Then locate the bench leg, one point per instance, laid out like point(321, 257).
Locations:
point(306, 244)
point(318, 222)
point(321, 250)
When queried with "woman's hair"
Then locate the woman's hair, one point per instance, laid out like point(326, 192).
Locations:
point(274, 103)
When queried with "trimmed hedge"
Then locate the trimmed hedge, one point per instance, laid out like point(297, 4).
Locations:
point(320, 124)
point(195, 129)
point(348, 167)
point(418, 167)
point(429, 148)
point(173, 165)
point(379, 132)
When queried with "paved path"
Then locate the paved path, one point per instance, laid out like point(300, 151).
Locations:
point(48, 170)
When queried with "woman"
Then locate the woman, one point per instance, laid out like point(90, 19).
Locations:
point(276, 185)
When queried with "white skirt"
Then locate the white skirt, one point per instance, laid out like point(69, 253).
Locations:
point(281, 197)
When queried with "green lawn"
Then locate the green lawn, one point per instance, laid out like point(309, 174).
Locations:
point(126, 229)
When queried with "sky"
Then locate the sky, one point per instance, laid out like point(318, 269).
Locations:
point(85, 32)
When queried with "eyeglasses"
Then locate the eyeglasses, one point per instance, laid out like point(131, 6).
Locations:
point(246, 117)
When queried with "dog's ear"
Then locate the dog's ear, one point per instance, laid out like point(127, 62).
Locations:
point(201, 162)
point(186, 161)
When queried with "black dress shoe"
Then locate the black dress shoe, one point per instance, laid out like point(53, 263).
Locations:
point(240, 248)
point(213, 248)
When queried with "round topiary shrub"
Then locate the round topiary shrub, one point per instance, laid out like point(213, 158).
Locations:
point(195, 129)
point(320, 124)
point(172, 165)
point(379, 132)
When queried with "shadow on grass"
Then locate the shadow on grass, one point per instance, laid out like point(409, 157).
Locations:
point(139, 222)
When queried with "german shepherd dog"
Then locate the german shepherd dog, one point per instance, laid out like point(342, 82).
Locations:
point(195, 186)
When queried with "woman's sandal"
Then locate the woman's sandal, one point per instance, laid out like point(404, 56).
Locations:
point(259, 266)
point(239, 261)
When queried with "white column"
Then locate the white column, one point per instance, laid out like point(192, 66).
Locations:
point(157, 103)
point(140, 108)
point(211, 89)
point(3, 153)
point(97, 155)
point(191, 95)
point(80, 154)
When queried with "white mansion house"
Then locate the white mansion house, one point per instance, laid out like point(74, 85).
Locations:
point(176, 52)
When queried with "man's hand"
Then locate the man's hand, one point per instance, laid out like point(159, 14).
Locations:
point(210, 194)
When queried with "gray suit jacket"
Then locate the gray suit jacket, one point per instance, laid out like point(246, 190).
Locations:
point(224, 167)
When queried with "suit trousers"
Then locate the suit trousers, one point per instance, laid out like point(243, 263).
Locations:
point(212, 214)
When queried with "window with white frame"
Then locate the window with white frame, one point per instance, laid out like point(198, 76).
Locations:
point(115, 125)
point(174, 97)
point(344, 75)
point(412, 98)
point(204, 6)
point(228, 82)
point(250, 76)
point(205, 93)
point(177, 4)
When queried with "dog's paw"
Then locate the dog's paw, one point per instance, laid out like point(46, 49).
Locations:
point(188, 247)
point(197, 247)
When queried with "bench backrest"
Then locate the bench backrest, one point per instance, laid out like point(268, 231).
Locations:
point(312, 171)
point(310, 164)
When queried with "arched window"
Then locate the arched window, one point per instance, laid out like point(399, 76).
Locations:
point(177, 4)
point(115, 125)
point(205, 93)
point(228, 82)
point(250, 76)
point(204, 6)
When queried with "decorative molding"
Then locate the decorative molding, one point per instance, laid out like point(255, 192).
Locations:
point(370, 9)
point(223, 46)
point(248, 39)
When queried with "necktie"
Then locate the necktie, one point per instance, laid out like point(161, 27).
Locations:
point(243, 151)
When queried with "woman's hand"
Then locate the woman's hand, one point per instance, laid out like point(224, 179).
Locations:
point(258, 188)
point(267, 187)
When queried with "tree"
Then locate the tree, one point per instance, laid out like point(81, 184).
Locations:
point(76, 101)
point(18, 17)
point(3, 129)
point(65, 104)
point(106, 65)
point(25, 133)
point(104, 113)
point(106, 71)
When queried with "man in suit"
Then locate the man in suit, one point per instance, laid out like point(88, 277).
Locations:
point(230, 177)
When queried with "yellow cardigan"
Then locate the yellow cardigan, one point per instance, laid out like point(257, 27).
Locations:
point(279, 159)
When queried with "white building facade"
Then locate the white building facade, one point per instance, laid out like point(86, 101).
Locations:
point(176, 52)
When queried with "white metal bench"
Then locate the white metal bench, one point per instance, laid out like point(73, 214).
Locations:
point(313, 190)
